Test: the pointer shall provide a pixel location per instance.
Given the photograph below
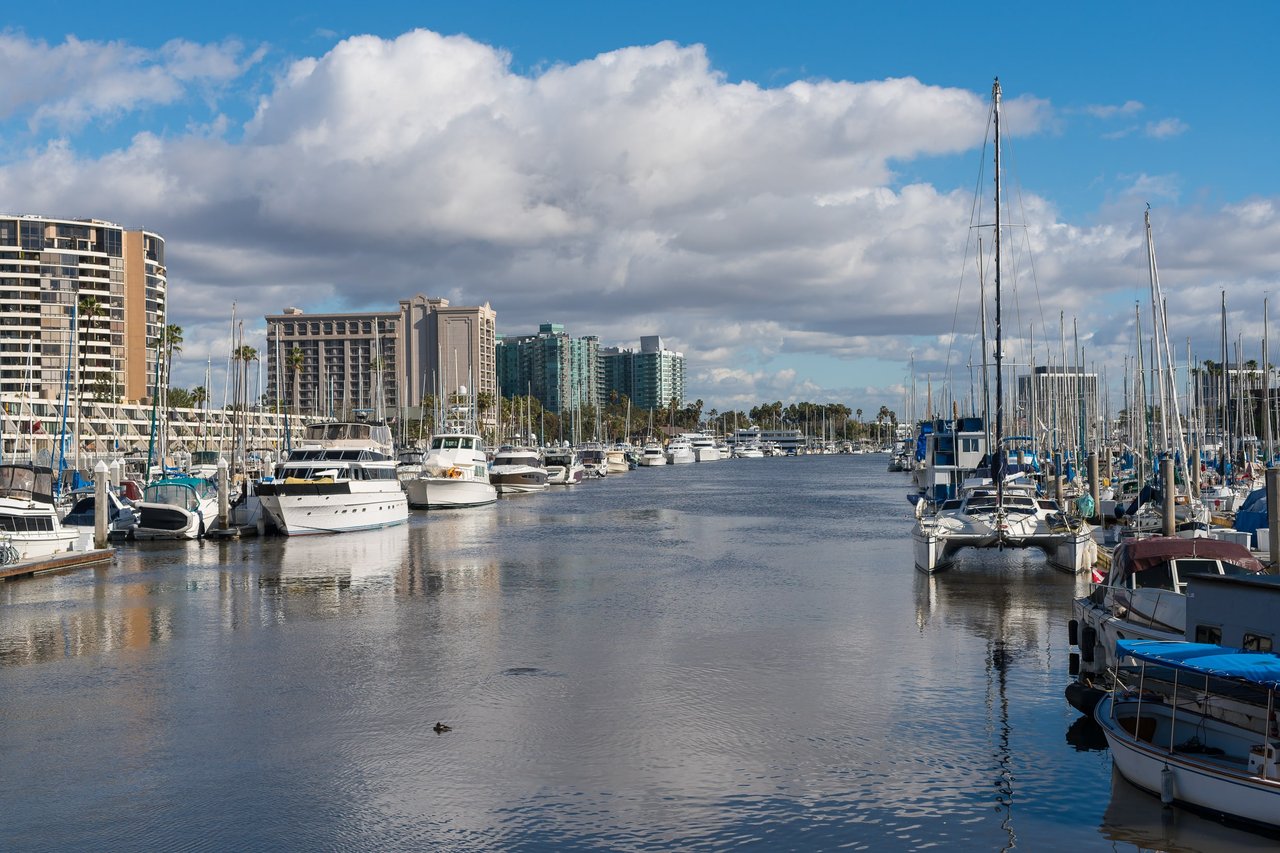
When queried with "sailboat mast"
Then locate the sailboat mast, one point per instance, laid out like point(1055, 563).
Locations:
point(997, 469)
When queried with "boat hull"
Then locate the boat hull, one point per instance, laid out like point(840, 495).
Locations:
point(300, 509)
point(1197, 782)
point(169, 521)
point(447, 493)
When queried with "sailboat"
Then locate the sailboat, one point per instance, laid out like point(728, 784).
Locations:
point(1001, 509)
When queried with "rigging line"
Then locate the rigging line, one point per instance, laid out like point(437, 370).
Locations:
point(1031, 259)
point(975, 210)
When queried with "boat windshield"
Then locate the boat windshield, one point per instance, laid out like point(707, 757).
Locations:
point(26, 482)
point(174, 494)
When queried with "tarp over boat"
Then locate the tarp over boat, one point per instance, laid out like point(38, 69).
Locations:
point(1260, 668)
point(1138, 554)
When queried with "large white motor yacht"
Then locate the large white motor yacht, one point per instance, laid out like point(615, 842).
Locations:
point(518, 469)
point(704, 447)
point(680, 451)
point(455, 473)
point(652, 454)
point(341, 478)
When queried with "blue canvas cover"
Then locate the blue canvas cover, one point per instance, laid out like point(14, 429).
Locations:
point(1206, 659)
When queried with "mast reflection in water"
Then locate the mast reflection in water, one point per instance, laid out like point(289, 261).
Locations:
point(682, 657)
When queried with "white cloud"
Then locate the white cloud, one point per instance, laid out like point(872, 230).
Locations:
point(637, 192)
point(1113, 110)
point(1165, 128)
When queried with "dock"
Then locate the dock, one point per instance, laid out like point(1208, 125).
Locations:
point(59, 563)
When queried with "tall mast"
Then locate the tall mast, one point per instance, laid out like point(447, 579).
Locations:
point(997, 469)
point(1266, 386)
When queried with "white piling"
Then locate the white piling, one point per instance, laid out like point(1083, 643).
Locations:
point(224, 501)
point(101, 485)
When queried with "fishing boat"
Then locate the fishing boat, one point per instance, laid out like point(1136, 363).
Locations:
point(341, 477)
point(28, 518)
point(176, 508)
point(1181, 746)
point(454, 473)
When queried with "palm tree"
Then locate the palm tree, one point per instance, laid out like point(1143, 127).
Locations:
point(244, 354)
point(295, 359)
point(90, 309)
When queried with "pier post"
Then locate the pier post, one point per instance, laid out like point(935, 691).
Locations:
point(1273, 517)
point(224, 500)
point(117, 473)
point(101, 485)
point(1170, 489)
point(1095, 489)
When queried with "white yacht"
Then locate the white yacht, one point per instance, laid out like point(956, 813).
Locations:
point(28, 518)
point(680, 451)
point(750, 449)
point(176, 508)
point(341, 478)
point(593, 460)
point(454, 473)
point(518, 469)
point(652, 454)
point(564, 466)
point(704, 447)
point(615, 460)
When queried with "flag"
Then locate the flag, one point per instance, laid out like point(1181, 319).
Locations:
point(1096, 575)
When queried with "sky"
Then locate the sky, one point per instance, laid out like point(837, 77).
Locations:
point(787, 194)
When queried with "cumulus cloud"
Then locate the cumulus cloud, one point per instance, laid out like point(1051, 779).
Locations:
point(1165, 128)
point(637, 192)
point(1113, 110)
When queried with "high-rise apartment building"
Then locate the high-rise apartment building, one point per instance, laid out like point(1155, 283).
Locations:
point(561, 372)
point(650, 378)
point(342, 360)
point(79, 295)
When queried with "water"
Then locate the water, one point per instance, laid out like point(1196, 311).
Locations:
point(694, 657)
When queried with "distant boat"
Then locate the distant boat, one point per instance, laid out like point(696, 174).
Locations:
point(680, 451)
point(652, 454)
point(564, 466)
point(516, 470)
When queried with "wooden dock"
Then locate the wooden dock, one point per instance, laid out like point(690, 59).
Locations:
point(59, 563)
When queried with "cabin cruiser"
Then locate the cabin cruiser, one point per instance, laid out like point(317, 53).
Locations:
point(176, 508)
point(652, 454)
point(121, 516)
point(751, 449)
point(518, 469)
point(564, 466)
point(454, 473)
point(1143, 594)
point(409, 464)
point(341, 477)
point(680, 451)
point(593, 460)
point(28, 517)
point(1009, 515)
point(615, 461)
point(704, 447)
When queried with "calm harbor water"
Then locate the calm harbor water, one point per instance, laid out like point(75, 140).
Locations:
point(736, 654)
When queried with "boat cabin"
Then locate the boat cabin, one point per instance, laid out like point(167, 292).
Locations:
point(1166, 562)
point(1234, 610)
point(26, 483)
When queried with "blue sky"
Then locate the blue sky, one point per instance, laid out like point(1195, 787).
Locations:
point(1111, 107)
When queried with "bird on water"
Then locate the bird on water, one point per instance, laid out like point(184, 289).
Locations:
point(440, 728)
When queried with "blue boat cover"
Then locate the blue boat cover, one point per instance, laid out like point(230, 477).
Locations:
point(1260, 668)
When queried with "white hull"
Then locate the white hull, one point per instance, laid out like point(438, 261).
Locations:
point(446, 493)
point(648, 460)
point(680, 457)
point(45, 543)
point(1197, 780)
point(706, 454)
point(369, 504)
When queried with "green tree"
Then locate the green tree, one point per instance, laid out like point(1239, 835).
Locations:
point(89, 309)
point(295, 360)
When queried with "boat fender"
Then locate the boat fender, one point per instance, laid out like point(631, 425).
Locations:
point(1088, 639)
point(1166, 786)
point(1073, 633)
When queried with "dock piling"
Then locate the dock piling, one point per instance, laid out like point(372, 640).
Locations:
point(101, 484)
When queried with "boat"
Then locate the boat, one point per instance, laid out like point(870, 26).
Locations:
point(121, 516)
point(564, 466)
point(594, 462)
point(652, 454)
point(454, 473)
point(409, 464)
point(340, 478)
point(615, 461)
point(1181, 747)
point(516, 470)
point(1007, 515)
point(28, 518)
point(680, 451)
point(176, 508)
point(1142, 595)
point(704, 447)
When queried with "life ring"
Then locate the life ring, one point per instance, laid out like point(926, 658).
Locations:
point(453, 473)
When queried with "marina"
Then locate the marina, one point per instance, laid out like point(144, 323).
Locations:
point(746, 666)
